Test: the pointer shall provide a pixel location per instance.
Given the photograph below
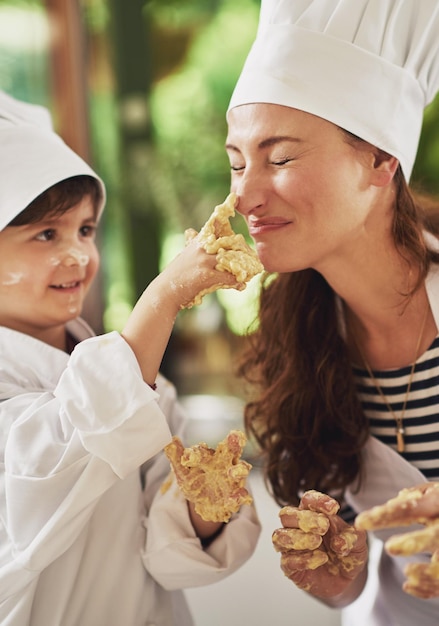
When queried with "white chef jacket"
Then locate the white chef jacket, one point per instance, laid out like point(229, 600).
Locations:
point(383, 602)
point(87, 538)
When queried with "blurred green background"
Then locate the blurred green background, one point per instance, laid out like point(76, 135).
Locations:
point(140, 89)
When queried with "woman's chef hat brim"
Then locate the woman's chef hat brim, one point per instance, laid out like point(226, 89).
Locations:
point(368, 66)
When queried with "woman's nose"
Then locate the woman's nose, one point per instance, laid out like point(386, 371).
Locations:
point(250, 192)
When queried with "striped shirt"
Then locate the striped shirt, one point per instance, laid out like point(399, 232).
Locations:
point(421, 418)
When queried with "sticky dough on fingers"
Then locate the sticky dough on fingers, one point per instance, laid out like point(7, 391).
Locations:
point(422, 579)
point(212, 479)
point(233, 254)
point(404, 509)
point(424, 540)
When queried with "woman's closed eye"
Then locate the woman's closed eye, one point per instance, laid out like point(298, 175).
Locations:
point(237, 168)
point(282, 161)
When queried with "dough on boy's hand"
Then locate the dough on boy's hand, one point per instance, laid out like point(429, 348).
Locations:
point(233, 254)
point(213, 480)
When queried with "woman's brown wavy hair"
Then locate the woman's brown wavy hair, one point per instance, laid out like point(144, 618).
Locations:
point(304, 413)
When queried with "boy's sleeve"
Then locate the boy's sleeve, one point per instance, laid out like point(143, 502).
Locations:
point(174, 555)
point(65, 449)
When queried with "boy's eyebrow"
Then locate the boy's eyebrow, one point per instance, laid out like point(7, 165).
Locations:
point(267, 143)
point(50, 220)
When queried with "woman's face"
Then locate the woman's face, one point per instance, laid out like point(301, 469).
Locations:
point(304, 191)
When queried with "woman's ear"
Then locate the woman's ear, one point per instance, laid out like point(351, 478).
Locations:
point(384, 167)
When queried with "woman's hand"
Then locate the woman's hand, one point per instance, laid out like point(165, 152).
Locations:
point(320, 552)
point(415, 505)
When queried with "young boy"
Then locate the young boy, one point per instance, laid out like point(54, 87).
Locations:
point(86, 535)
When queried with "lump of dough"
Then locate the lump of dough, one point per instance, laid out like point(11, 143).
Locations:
point(233, 254)
point(213, 479)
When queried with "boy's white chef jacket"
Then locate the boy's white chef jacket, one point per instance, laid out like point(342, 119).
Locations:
point(86, 538)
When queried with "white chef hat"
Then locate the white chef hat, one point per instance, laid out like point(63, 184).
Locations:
point(368, 66)
point(32, 157)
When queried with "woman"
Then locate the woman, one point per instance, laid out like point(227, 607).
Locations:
point(323, 129)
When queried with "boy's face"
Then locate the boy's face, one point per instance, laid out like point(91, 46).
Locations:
point(46, 269)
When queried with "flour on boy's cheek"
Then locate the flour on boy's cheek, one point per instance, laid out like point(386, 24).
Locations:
point(83, 259)
point(11, 278)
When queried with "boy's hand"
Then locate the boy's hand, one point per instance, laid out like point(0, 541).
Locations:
point(233, 255)
point(213, 480)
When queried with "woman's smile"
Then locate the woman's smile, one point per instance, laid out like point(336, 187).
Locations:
point(261, 226)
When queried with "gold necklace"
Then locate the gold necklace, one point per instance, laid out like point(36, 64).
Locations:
point(399, 419)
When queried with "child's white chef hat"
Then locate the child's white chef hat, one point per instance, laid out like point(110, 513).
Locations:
point(32, 157)
point(368, 66)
